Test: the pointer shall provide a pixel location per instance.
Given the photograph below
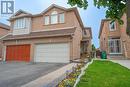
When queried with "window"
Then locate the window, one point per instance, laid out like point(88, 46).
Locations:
point(46, 20)
point(20, 23)
point(61, 18)
point(114, 46)
point(54, 17)
point(112, 26)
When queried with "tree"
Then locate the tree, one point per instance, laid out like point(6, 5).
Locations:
point(115, 8)
point(93, 50)
point(93, 47)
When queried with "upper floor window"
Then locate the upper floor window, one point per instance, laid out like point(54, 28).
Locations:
point(47, 20)
point(20, 23)
point(54, 17)
point(61, 18)
point(112, 26)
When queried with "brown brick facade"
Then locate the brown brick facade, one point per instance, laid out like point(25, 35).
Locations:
point(118, 34)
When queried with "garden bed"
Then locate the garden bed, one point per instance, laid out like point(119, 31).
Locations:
point(70, 79)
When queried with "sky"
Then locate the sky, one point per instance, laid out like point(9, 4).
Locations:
point(91, 17)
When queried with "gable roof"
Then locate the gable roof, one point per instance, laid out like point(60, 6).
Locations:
point(65, 9)
point(101, 26)
point(50, 7)
point(26, 14)
point(19, 12)
point(4, 26)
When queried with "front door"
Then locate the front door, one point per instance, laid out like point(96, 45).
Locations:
point(115, 46)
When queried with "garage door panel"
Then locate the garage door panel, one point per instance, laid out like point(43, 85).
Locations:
point(52, 52)
point(18, 53)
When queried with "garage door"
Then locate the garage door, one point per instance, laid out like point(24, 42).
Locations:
point(58, 53)
point(18, 53)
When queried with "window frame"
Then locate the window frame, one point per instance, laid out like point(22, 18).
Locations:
point(63, 17)
point(20, 23)
point(112, 29)
point(45, 20)
point(54, 15)
point(114, 46)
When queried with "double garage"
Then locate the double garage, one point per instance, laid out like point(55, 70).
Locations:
point(48, 52)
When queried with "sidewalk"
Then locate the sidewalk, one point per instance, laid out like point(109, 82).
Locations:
point(125, 63)
point(51, 77)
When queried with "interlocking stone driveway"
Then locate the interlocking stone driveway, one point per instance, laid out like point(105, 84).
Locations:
point(15, 74)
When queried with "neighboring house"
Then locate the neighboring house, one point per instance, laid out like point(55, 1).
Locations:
point(4, 29)
point(86, 43)
point(113, 38)
point(54, 35)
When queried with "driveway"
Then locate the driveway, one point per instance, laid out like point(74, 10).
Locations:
point(125, 63)
point(15, 74)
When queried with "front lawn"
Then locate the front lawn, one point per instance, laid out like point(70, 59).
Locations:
point(105, 74)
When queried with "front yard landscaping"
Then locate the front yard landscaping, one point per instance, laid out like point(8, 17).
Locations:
point(105, 74)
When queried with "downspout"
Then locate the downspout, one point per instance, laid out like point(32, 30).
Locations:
point(124, 46)
point(72, 35)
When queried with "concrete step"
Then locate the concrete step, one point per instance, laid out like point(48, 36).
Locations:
point(116, 56)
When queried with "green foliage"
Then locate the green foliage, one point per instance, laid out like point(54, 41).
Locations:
point(115, 8)
point(93, 47)
point(79, 3)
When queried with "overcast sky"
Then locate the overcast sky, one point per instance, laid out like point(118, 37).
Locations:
point(90, 17)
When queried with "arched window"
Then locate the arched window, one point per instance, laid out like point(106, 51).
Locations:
point(54, 17)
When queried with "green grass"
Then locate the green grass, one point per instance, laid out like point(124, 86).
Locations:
point(105, 74)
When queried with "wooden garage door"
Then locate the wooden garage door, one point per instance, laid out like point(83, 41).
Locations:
point(18, 53)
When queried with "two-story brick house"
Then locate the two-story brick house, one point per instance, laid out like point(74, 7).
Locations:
point(4, 29)
point(113, 38)
point(54, 35)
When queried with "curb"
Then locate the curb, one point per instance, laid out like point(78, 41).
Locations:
point(82, 72)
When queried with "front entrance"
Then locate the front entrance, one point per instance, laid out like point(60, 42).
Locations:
point(115, 46)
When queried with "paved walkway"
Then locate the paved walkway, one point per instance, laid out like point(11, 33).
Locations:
point(125, 63)
point(51, 77)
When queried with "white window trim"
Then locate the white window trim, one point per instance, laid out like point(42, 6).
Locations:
point(24, 24)
point(48, 20)
point(63, 17)
point(109, 47)
point(54, 13)
point(110, 26)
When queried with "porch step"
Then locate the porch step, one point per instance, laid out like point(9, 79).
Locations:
point(116, 56)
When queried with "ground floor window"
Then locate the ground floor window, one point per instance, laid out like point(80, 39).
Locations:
point(114, 46)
